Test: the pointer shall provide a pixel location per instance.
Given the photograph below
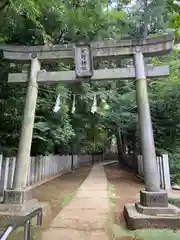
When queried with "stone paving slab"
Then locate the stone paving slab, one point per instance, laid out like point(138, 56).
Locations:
point(80, 224)
point(66, 234)
point(86, 216)
point(96, 193)
point(89, 203)
point(82, 213)
point(94, 185)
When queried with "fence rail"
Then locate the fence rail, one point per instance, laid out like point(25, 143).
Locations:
point(26, 222)
point(41, 168)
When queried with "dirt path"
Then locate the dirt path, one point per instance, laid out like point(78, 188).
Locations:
point(57, 193)
point(127, 186)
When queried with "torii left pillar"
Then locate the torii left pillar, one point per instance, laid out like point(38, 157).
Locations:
point(23, 157)
point(20, 195)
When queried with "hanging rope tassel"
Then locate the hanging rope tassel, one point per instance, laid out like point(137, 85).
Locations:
point(94, 106)
point(57, 106)
point(73, 104)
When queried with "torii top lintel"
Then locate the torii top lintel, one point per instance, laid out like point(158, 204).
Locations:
point(102, 49)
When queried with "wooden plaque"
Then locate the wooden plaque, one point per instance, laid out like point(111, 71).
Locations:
point(83, 61)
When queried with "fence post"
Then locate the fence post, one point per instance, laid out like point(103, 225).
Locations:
point(4, 175)
point(40, 158)
point(29, 174)
point(1, 162)
point(33, 170)
point(59, 165)
point(11, 170)
point(161, 173)
point(49, 167)
point(159, 162)
point(56, 166)
point(36, 169)
point(52, 168)
point(166, 172)
point(43, 167)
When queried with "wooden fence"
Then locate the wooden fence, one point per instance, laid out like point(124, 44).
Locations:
point(162, 166)
point(111, 155)
point(41, 168)
point(163, 169)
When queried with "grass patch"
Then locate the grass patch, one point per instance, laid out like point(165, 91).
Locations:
point(115, 231)
point(174, 201)
point(154, 234)
point(111, 217)
point(66, 200)
point(19, 233)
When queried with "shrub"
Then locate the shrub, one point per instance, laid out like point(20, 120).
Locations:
point(174, 161)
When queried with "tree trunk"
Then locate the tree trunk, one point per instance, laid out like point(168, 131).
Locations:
point(134, 151)
point(119, 144)
point(124, 143)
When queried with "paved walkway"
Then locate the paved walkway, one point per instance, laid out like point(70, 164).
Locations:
point(86, 216)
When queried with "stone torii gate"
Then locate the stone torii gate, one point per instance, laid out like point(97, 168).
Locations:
point(152, 199)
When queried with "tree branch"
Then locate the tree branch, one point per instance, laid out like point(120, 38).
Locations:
point(3, 4)
point(60, 37)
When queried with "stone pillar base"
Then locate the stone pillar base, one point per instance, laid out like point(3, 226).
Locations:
point(163, 219)
point(155, 210)
point(17, 196)
point(18, 204)
point(154, 199)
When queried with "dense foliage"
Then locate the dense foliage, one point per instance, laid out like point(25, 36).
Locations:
point(32, 22)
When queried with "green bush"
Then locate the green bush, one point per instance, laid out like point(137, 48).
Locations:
point(174, 201)
point(174, 161)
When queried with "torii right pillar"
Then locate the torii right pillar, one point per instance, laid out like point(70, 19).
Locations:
point(153, 210)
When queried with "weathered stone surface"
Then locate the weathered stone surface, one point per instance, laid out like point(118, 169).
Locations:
point(150, 47)
point(66, 234)
point(99, 195)
point(89, 204)
point(83, 214)
point(97, 235)
point(17, 196)
point(156, 210)
point(18, 207)
point(9, 212)
point(154, 199)
point(69, 234)
point(86, 223)
point(101, 74)
point(136, 220)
